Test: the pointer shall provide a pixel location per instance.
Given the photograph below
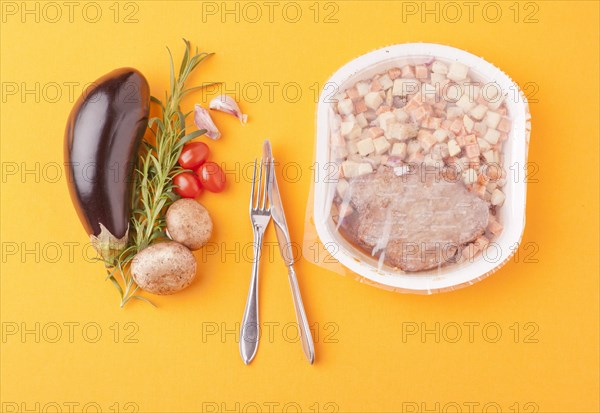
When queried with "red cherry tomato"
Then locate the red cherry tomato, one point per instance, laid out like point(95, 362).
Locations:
point(211, 177)
point(188, 185)
point(193, 155)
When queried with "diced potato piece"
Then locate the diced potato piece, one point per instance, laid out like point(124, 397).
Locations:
point(492, 119)
point(498, 197)
point(453, 148)
point(402, 131)
point(457, 71)
point(456, 125)
point(489, 156)
point(404, 87)
point(492, 136)
point(454, 112)
point(365, 146)
point(373, 100)
point(342, 187)
point(381, 145)
point(440, 135)
point(345, 106)
point(483, 144)
point(427, 140)
point(399, 150)
point(408, 71)
point(439, 67)
point(352, 169)
point(470, 176)
point(469, 124)
point(401, 170)
point(385, 82)
point(361, 120)
point(494, 226)
point(480, 128)
point(478, 112)
point(365, 168)
point(374, 132)
point(346, 127)
point(465, 102)
point(421, 72)
point(472, 150)
point(363, 88)
point(413, 147)
point(354, 133)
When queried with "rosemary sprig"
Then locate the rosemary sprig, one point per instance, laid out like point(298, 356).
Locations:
point(157, 166)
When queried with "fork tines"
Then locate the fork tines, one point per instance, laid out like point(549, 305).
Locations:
point(256, 203)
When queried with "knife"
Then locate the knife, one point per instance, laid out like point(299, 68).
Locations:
point(285, 247)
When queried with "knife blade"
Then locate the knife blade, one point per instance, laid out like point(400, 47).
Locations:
point(285, 247)
point(281, 228)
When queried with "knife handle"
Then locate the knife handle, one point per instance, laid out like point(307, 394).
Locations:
point(306, 338)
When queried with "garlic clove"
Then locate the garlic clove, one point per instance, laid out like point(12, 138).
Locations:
point(225, 103)
point(203, 120)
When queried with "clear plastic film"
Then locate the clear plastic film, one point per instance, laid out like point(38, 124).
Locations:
point(413, 189)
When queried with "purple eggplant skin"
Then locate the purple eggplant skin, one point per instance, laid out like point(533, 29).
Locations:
point(102, 139)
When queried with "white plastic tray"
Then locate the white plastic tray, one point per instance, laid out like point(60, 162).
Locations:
point(512, 213)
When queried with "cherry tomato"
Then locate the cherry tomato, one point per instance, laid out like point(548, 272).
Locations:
point(211, 177)
point(193, 155)
point(188, 185)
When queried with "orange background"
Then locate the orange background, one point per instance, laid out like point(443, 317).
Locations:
point(184, 359)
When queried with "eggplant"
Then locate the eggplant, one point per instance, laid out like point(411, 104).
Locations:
point(102, 139)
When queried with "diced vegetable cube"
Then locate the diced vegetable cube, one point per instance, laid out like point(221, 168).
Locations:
point(421, 72)
point(365, 146)
point(439, 67)
point(408, 71)
point(381, 145)
point(469, 124)
point(472, 150)
point(399, 150)
point(373, 100)
point(478, 112)
point(363, 88)
point(345, 106)
point(385, 82)
point(361, 120)
point(465, 102)
point(440, 135)
point(492, 119)
point(457, 71)
point(492, 136)
point(453, 148)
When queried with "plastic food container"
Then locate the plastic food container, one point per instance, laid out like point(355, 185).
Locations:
point(346, 258)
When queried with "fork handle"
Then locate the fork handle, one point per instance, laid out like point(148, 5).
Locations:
point(249, 332)
point(308, 346)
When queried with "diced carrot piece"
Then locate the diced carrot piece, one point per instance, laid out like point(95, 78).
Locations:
point(376, 86)
point(456, 126)
point(395, 73)
point(360, 106)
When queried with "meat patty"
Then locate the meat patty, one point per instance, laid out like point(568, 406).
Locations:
point(414, 222)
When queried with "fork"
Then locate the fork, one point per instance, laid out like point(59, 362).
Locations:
point(260, 215)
